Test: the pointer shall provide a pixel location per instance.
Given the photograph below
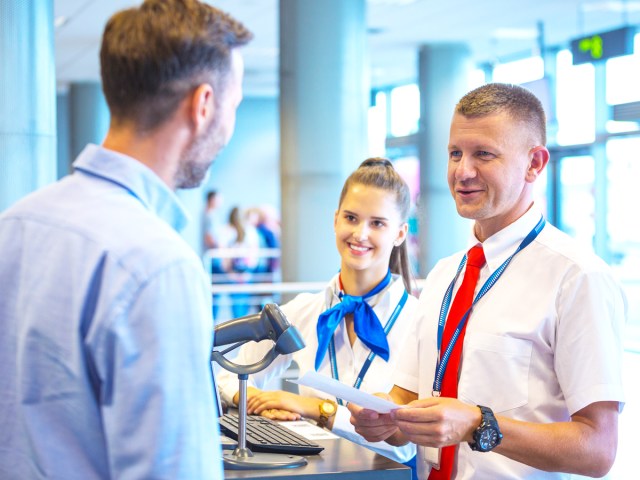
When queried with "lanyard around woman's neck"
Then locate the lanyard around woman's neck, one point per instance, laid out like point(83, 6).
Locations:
point(367, 363)
point(442, 360)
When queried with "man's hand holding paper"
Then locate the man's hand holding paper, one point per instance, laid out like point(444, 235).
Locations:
point(370, 414)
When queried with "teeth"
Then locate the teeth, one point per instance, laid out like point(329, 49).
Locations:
point(359, 249)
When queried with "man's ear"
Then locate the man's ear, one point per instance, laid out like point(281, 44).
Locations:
point(202, 106)
point(539, 157)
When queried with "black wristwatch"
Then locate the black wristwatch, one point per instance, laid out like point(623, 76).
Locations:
point(487, 436)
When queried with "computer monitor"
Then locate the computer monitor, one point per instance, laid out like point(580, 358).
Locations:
point(220, 405)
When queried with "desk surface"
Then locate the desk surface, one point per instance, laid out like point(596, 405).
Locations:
point(340, 459)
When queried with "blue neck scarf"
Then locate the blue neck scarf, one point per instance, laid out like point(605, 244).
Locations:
point(366, 323)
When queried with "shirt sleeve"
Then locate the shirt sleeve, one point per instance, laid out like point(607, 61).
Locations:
point(156, 388)
point(591, 316)
point(342, 427)
point(406, 374)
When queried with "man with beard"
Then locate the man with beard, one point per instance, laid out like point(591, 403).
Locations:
point(105, 311)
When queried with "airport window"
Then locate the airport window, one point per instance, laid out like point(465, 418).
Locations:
point(622, 75)
point(577, 202)
point(623, 170)
point(378, 125)
point(623, 230)
point(519, 71)
point(477, 78)
point(405, 110)
point(575, 101)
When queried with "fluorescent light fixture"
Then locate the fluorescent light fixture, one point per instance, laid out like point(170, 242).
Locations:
point(616, 6)
point(60, 21)
point(392, 2)
point(515, 34)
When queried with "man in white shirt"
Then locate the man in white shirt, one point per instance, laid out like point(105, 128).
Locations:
point(539, 384)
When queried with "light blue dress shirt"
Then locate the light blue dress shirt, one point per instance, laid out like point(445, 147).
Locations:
point(105, 332)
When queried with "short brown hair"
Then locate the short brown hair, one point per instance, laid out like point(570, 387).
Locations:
point(153, 55)
point(521, 105)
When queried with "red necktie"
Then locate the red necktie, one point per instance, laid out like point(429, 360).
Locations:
point(461, 303)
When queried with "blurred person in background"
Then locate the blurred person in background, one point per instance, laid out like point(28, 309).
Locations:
point(212, 221)
point(242, 241)
point(212, 236)
point(267, 269)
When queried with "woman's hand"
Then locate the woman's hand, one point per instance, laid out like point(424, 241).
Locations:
point(281, 405)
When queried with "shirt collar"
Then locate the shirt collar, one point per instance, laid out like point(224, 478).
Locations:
point(137, 178)
point(500, 245)
point(332, 293)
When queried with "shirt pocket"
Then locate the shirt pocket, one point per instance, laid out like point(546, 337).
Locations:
point(495, 371)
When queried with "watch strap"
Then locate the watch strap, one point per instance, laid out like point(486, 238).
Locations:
point(488, 422)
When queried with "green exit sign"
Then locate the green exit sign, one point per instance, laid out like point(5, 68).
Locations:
point(601, 46)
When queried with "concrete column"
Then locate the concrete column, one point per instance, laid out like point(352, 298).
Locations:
point(324, 93)
point(443, 77)
point(88, 116)
point(27, 99)
point(601, 162)
point(63, 124)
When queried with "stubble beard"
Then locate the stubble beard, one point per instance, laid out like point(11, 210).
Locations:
point(198, 157)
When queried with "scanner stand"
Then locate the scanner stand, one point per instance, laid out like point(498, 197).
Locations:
point(242, 458)
point(271, 324)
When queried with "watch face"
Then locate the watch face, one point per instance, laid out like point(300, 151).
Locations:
point(488, 439)
point(328, 408)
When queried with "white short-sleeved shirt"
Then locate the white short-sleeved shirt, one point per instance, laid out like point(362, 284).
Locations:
point(303, 312)
point(542, 344)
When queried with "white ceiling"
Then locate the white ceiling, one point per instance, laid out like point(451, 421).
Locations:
point(495, 29)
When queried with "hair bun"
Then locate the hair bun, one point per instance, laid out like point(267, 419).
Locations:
point(376, 162)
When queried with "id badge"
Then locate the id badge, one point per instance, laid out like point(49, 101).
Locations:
point(431, 455)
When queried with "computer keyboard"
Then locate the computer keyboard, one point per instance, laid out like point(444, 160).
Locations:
point(265, 435)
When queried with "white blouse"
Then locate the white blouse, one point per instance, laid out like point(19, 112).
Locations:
point(303, 312)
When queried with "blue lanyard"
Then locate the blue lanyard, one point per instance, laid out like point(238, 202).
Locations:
point(441, 363)
point(369, 360)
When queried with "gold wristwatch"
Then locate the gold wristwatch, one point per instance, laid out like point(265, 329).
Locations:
point(328, 409)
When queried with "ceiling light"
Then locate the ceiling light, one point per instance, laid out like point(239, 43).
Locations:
point(515, 34)
point(60, 21)
point(392, 2)
point(617, 6)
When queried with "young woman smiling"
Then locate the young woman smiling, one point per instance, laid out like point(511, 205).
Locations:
point(355, 328)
